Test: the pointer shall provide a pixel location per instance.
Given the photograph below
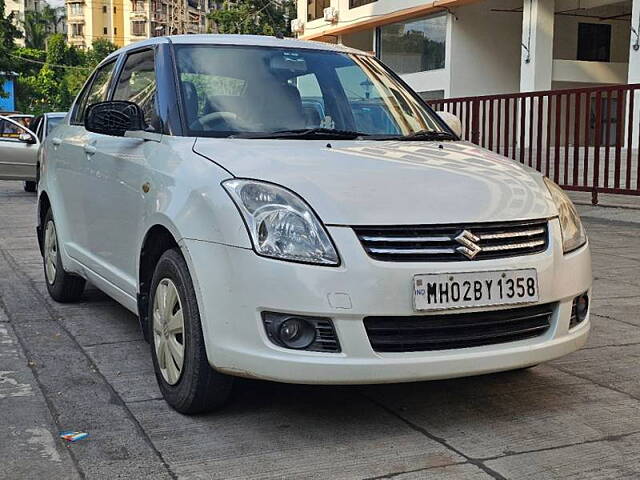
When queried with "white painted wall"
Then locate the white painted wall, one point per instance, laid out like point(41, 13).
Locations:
point(589, 72)
point(485, 49)
point(565, 44)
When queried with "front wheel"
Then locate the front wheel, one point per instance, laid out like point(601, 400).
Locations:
point(186, 380)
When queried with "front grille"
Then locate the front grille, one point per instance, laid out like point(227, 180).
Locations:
point(458, 330)
point(437, 243)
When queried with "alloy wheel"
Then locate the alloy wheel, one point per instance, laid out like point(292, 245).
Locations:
point(50, 252)
point(168, 331)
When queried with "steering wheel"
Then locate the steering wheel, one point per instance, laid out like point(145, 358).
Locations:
point(211, 120)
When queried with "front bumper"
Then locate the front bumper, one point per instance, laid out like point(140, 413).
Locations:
point(234, 285)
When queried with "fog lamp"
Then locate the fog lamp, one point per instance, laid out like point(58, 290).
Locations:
point(582, 307)
point(301, 332)
point(579, 310)
point(296, 333)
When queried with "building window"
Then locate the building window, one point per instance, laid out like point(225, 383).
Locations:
point(115, 30)
point(315, 8)
point(138, 28)
point(77, 29)
point(359, 3)
point(594, 42)
point(104, 30)
point(114, 10)
point(104, 9)
point(75, 9)
point(138, 6)
point(414, 46)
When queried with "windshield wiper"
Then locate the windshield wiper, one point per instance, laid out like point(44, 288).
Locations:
point(421, 135)
point(305, 133)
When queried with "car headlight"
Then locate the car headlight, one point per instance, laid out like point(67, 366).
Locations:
point(573, 234)
point(281, 224)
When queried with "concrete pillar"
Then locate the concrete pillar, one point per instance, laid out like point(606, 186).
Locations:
point(634, 65)
point(537, 45)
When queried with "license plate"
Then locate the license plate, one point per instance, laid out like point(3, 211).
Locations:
point(474, 289)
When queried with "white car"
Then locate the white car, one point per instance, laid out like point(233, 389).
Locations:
point(292, 211)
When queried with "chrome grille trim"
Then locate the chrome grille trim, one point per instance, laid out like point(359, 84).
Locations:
point(437, 243)
point(526, 233)
point(513, 246)
point(440, 238)
point(411, 251)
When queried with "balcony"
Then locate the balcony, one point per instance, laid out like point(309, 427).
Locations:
point(139, 13)
point(159, 17)
point(74, 15)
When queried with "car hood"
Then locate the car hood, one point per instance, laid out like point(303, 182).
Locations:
point(390, 182)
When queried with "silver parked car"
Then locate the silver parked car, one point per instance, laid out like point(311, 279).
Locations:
point(19, 146)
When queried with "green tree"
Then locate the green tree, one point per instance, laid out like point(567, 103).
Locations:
point(35, 29)
point(100, 48)
point(8, 35)
point(53, 18)
point(256, 17)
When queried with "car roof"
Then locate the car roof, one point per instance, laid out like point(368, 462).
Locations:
point(245, 40)
point(55, 114)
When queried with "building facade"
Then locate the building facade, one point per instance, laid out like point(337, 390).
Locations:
point(454, 48)
point(127, 21)
point(18, 8)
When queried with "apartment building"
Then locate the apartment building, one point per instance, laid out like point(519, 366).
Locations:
point(127, 21)
point(454, 48)
point(19, 8)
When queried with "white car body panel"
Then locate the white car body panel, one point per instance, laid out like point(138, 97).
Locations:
point(390, 183)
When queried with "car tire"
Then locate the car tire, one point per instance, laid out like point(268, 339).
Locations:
point(30, 186)
point(175, 334)
point(62, 286)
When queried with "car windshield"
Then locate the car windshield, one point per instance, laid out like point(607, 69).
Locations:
point(253, 91)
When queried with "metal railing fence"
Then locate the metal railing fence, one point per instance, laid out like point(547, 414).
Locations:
point(584, 139)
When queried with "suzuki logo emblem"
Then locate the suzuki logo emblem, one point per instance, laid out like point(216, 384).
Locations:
point(468, 244)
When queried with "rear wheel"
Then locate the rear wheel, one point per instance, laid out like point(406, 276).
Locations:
point(62, 286)
point(187, 381)
point(30, 187)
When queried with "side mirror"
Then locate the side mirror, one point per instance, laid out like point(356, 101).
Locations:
point(27, 138)
point(114, 118)
point(452, 121)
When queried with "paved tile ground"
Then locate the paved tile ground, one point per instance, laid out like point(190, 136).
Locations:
point(85, 367)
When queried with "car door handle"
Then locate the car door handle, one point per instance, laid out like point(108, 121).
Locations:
point(56, 141)
point(89, 149)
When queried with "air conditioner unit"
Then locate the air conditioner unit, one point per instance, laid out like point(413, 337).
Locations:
point(331, 14)
point(297, 25)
